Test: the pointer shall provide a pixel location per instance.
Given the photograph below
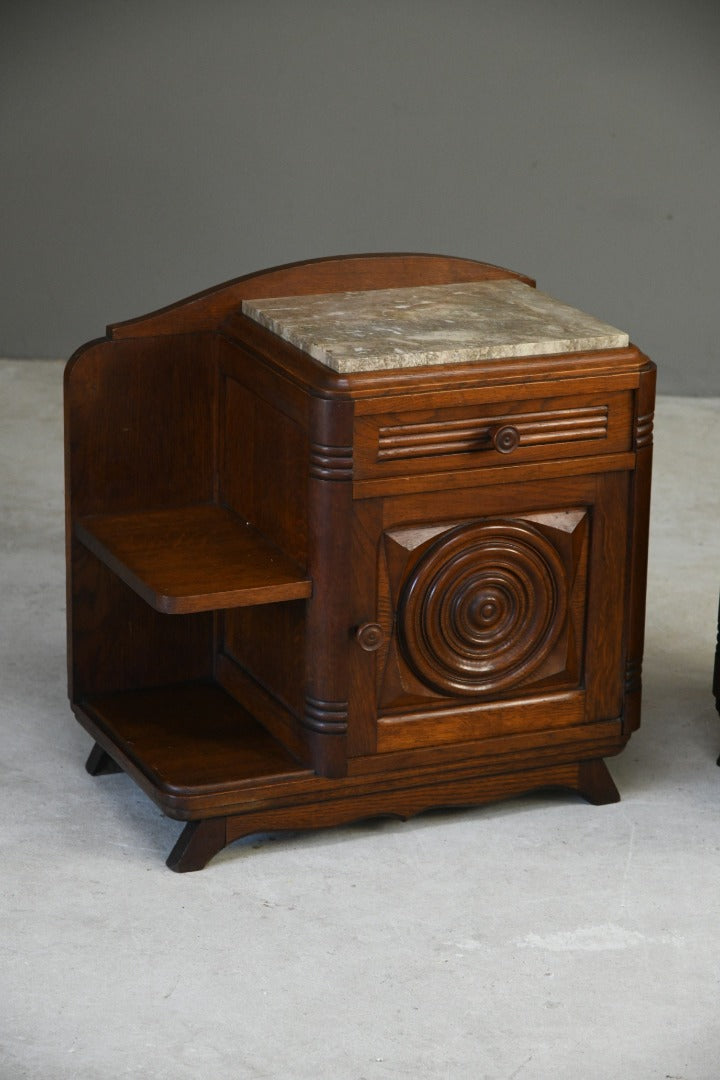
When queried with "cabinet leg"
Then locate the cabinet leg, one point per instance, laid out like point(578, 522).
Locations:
point(197, 844)
point(596, 784)
point(99, 763)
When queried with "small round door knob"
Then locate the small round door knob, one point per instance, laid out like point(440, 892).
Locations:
point(506, 438)
point(369, 636)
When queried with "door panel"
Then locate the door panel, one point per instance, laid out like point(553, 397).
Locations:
point(498, 610)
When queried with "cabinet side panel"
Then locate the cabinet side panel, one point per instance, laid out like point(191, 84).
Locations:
point(139, 434)
point(606, 602)
point(640, 523)
point(140, 425)
point(263, 478)
point(268, 642)
point(263, 467)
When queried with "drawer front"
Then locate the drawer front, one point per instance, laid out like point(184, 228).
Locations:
point(474, 436)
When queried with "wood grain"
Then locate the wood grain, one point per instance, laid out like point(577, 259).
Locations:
point(194, 558)
point(237, 513)
point(343, 273)
point(200, 840)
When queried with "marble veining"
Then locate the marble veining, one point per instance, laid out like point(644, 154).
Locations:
point(431, 324)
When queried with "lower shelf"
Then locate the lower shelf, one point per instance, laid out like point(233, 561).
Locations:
point(187, 742)
point(203, 759)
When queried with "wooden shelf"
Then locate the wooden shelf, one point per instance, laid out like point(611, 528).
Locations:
point(193, 558)
point(188, 740)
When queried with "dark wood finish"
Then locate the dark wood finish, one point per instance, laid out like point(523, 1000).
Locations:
point(118, 642)
point(638, 544)
point(537, 429)
point(716, 672)
point(205, 310)
point(197, 753)
point(187, 741)
point(326, 710)
point(197, 844)
point(595, 783)
point(389, 591)
point(99, 763)
point(200, 840)
point(140, 429)
point(194, 558)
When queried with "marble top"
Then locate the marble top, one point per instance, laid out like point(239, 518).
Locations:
point(431, 324)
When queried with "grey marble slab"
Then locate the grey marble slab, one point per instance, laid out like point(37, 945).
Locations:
point(431, 324)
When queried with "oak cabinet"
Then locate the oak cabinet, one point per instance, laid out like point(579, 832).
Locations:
point(305, 590)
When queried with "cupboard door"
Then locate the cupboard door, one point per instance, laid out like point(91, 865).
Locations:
point(496, 611)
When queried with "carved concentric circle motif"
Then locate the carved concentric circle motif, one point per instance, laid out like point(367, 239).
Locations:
point(483, 607)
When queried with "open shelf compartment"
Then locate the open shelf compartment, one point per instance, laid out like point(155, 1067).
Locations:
point(187, 741)
point(193, 558)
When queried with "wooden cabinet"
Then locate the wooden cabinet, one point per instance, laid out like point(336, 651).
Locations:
point(716, 671)
point(299, 596)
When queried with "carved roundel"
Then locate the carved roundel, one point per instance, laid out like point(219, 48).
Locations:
point(483, 607)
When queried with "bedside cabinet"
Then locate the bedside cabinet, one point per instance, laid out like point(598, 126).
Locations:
point(359, 536)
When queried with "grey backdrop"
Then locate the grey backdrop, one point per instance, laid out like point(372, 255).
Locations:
point(151, 149)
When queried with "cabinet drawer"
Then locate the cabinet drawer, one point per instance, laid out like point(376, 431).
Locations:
point(534, 429)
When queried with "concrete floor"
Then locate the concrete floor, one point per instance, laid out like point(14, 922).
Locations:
point(536, 938)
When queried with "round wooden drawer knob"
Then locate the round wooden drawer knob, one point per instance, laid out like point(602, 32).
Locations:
point(506, 438)
point(369, 636)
